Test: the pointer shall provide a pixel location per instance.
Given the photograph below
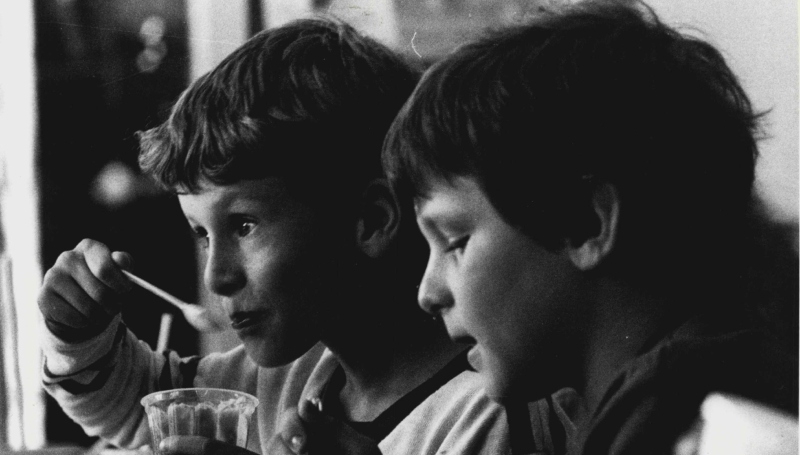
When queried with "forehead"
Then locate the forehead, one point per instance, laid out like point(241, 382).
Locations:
point(459, 203)
point(457, 195)
point(267, 193)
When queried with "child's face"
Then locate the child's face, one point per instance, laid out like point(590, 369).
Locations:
point(495, 288)
point(266, 258)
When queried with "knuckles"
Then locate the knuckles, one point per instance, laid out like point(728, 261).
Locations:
point(46, 304)
point(53, 283)
point(105, 271)
point(89, 244)
point(67, 261)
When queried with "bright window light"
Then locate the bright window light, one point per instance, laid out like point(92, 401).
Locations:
point(20, 224)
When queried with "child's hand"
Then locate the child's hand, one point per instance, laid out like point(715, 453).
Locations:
point(307, 431)
point(81, 292)
point(199, 445)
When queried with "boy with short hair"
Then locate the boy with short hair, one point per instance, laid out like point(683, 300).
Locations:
point(584, 183)
point(275, 159)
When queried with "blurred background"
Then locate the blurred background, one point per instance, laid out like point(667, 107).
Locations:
point(80, 77)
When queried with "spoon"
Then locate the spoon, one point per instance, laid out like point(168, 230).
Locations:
point(197, 316)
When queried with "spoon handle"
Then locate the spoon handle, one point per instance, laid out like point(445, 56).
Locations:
point(156, 290)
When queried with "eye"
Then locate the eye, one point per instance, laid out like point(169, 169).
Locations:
point(244, 227)
point(457, 244)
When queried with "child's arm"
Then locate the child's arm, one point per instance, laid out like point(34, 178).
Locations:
point(103, 395)
point(93, 366)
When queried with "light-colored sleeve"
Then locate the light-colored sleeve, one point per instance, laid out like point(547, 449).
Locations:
point(456, 419)
point(99, 382)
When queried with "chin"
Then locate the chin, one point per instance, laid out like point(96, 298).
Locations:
point(268, 354)
point(502, 387)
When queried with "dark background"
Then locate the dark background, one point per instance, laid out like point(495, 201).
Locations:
point(93, 97)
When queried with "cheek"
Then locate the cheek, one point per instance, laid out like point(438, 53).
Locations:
point(277, 279)
point(283, 258)
point(299, 277)
point(493, 287)
point(500, 310)
point(506, 359)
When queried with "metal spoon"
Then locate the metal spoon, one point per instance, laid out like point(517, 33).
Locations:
point(197, 316)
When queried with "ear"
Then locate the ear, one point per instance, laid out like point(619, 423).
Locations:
point(378, 220)
point(606, 206)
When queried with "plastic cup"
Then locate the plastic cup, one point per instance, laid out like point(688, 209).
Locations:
point(218, 414)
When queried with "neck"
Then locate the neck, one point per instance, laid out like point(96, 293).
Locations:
point(384, 362)
point(628, 321)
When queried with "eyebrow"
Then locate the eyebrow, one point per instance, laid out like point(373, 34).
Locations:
point(447, 218)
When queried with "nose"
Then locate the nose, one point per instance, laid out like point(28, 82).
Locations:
point(223, 274)
point(434, 295)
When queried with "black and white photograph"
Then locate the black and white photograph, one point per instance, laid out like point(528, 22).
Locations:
point(399, 227)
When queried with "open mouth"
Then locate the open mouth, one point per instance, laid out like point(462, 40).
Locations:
point(473, 356)
point(462, 338)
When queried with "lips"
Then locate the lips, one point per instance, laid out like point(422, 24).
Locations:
point(459, 336)
point(474, 358)
point(244, 320)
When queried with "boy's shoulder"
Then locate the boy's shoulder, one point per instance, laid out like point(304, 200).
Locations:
point(739, 357)
point(658, 395)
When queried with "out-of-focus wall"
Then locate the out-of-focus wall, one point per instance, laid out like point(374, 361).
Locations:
point(215, 29)
point(760, 42)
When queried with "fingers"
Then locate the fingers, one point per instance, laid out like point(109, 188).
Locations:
point(311, 411)
point(75, 310)
point(292, 432)
point(281, 446)
point(123, 259)
point(68, 288)
point(102, 266)
point(308, 430)
point(199, 445)
point(81, 292)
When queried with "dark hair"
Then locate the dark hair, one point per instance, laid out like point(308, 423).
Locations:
point(310, 101)
point(599, 91)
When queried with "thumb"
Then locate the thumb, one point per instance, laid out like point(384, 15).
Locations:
point(123, 259)
point(311, 412)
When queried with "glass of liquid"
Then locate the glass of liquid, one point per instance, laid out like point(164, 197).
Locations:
point(218, 414)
